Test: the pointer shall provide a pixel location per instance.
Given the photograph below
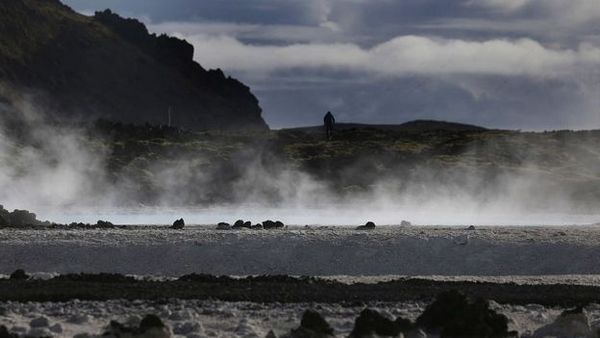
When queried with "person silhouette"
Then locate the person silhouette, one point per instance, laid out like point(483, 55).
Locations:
point(329, 122)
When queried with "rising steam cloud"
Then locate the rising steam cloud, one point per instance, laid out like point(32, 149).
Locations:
point(59, 171)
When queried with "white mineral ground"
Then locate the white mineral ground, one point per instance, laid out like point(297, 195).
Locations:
point(566, 251)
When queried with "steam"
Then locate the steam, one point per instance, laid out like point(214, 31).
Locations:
point(61, 173)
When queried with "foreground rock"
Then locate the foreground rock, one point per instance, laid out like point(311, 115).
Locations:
point(371, 323)
point(453, 315)
point(5, 334)
point(178, 224)
point(570, 323)
point(312, 326)
point(150, 327)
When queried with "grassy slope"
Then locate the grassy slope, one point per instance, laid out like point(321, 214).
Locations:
point(358, 157)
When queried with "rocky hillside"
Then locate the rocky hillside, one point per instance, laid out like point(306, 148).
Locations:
point(111, 67)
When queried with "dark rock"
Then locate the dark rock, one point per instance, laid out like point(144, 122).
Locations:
point(453, 315)
point(178, 224)
point(5, 334)
point(149, 322)
point(371, 322)
point(312, 326)
point(273, 225)
point(257, 226)
point(19, 275)
point(472, 227)
point(104, 224)
point(150, 326)
point(247, 224)
point(223, 226)
point(368, 226)
point(405, 223)
point(238, 224)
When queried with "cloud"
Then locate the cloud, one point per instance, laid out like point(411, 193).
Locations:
point(572, 12)
point(403, 55)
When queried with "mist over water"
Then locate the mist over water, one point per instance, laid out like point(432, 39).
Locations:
point(61, 174)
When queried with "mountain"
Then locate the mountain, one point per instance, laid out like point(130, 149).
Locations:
point(106, 66)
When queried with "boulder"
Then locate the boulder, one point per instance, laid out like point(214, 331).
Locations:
point(272, 225)
point(238, 224)
point(223, 226)
point(257, 226)
point(405, 223)
point(39, 322)
point(570, 323)
point(370, 323)
point(19, 274)
point(471, 228)
point(5, 334)
point(247, 224)
point(150, 327)
point(312, 325)
point(178, 224)
point(453, 315)
point(368, 226)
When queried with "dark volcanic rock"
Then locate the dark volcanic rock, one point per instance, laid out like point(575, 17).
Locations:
point(150, 326)
point(223, 226)
point(453, 315)
point(368, 226)
point(104, 224)
point(5, 334)
point(178, 224)
point(272, 225)
point(312, 326)
point(19, 275)
point(149, 322)
point(371, 322)
point(242, 224)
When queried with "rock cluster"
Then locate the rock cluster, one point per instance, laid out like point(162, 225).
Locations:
point(150, 326)
point(241, 224)
point(18, 218)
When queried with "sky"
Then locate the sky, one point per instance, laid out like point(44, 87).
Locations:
point(518, 64)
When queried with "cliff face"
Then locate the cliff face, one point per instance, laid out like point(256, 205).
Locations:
point(110, 67)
